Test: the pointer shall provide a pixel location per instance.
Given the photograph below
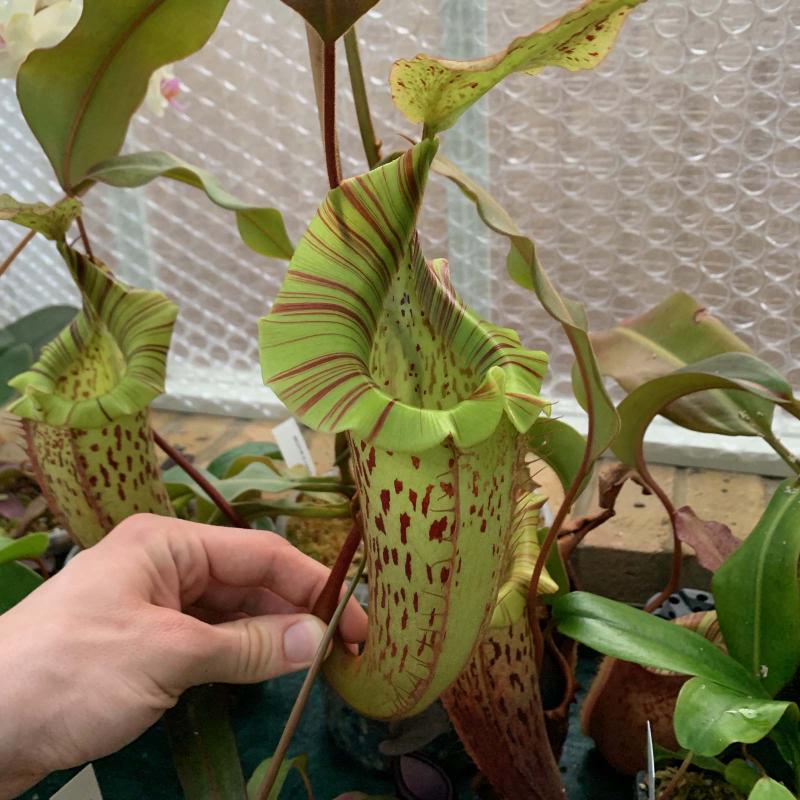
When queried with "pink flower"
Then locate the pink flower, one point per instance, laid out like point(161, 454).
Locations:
point(163, 90)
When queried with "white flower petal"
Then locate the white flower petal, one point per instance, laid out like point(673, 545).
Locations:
point(52, 24)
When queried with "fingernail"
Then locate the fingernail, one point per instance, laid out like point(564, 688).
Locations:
point(301, 641)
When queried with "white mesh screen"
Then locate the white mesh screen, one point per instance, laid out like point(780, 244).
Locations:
point(674, 164)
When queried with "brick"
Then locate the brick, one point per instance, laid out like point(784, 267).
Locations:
point(733, 498)
point(628, 558)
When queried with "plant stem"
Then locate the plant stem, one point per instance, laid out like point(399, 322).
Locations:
point(85, 238)
point(16, 251)
point(302, 698)
point(325, 605)
point(670, 788)
point(778, 446)
point(555, 528)
point(323, 66)
point(342, 460)
point(677, 547)
point(329, 114)
point(372, 145)
point(219, 501)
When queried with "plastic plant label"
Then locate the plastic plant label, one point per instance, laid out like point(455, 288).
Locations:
point(83, 786)
point(293, 447)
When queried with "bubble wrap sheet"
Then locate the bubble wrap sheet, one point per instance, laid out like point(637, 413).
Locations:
point(675, 164)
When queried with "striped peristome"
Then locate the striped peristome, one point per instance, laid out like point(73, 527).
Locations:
point(85, 404)
point(368, 337)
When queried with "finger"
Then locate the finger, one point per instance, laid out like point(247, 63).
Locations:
point(256, 648)
point(252, 601)
point(213, 617)
point(260, 559)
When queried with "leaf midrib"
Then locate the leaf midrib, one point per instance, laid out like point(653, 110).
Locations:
point(86, 98)
point(758, 604)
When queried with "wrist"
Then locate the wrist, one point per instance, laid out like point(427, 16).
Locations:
point(22, 725)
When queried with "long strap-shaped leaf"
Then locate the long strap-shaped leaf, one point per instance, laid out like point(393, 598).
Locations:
point(261, 229)
point(356, 287)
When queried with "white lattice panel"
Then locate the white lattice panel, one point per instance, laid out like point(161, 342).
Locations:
point(675, 164)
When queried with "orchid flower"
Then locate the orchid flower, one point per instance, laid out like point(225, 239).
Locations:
point(27, 25)
point(162, 91)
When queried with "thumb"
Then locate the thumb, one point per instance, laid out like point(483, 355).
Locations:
point(257, 648)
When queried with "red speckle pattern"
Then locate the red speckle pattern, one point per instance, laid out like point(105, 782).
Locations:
point(496, 708)
point(93, 479)
point(438, 528)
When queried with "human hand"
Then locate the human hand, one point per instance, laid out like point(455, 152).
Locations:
point(95, 656)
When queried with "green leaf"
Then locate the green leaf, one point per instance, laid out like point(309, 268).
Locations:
point(618, 630)
point(261, 229)
point(39, 327)
point(768, 789)
point(560, 446)
point(436, 91)
point(742, 775)
point(31, 546)
point(757, 586)
point(357, 285)
point(220, 466)
point(255, 477)
point(21, 342)
point(331, 18)
point(676, 333)
point(79, 96)
point(16, 582)
point(203, 745)
point(786, 736)
point(13, 361)
point(51, 221)
point(709, 716)
point(525, 269)
point(730, 371)
point(300, 763)
point(259, 509)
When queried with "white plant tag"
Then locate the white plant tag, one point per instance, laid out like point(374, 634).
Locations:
point(83, 786)
point(293, 447)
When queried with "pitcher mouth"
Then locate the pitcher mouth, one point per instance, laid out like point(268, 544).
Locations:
point(367, 336)
point(110, 362)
